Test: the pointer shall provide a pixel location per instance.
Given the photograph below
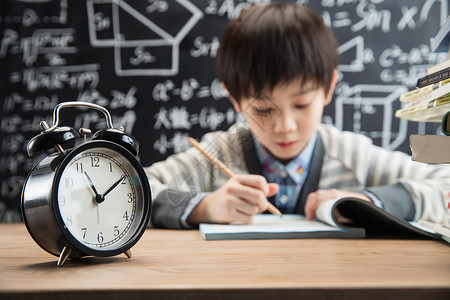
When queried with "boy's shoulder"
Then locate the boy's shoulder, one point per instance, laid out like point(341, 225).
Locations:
point(234, 134)
point(235, 139)
point(334, 138)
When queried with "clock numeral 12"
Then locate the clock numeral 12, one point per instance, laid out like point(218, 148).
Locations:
point(95, 162)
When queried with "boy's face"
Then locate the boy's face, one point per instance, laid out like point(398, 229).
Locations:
point(285, 120)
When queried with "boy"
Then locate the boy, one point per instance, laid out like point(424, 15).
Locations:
point(278, 62)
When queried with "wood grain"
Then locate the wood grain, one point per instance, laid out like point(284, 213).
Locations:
point(168, 264)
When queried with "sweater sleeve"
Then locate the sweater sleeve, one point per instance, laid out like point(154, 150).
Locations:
point(407, 189)
point(177, 181)
point(174, 182)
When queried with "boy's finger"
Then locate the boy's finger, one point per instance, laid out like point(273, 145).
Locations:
point(273, 189)
point(310, 207)
point(255, 181)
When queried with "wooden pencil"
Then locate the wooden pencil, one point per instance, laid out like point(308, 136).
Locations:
point(272, 209)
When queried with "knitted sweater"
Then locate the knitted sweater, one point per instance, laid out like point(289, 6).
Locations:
point(341, 160)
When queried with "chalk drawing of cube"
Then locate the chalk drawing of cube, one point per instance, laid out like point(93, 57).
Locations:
point(145, 40)
point(369, 109)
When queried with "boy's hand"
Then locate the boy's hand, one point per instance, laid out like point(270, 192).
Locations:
point(237, 200)
point(314, 199)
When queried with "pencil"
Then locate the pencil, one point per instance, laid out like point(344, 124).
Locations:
point(272, 209)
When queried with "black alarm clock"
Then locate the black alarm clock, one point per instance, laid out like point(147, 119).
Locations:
point(93, 199)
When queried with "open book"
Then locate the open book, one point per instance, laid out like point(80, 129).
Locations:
point(339, 218)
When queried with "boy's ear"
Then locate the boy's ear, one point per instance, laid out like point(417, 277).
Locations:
point(333, 83)
point(236, 105)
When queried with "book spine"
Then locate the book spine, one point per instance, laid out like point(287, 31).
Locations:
point(439, 92)
point(438, 67)
point(433, 78)
point(419, 92)
point(439, 102)
point(409, 112)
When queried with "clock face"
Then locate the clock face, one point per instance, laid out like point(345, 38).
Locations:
point(101, 197)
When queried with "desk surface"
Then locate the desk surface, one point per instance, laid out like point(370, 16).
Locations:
point(169, 264)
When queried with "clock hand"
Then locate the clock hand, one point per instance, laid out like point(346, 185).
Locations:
point(114, 185)
point(99, 198)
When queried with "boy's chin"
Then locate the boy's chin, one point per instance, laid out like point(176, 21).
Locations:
point(285, 159)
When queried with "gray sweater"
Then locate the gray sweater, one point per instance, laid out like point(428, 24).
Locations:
point(341, 160)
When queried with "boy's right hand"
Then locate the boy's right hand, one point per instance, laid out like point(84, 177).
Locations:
point(237, 200)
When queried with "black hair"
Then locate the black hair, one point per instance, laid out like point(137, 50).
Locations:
point(276, 43)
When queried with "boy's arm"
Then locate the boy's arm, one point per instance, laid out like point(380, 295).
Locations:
point(237, 200)
point(176, 183)
point(180, 182)
point(407, 189)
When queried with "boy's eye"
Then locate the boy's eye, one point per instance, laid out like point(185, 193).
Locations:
point(302, 106)
point(263, 111)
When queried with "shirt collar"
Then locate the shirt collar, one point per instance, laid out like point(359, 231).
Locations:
point(297, 168)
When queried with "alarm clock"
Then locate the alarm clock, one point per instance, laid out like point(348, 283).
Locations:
point(92, 199)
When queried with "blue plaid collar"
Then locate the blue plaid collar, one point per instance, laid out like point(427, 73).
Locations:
point(297, 168)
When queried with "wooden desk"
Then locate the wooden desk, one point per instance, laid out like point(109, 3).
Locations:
point(168, 264)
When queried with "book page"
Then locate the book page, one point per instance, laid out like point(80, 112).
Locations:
point(324, 212)
point(272, 223)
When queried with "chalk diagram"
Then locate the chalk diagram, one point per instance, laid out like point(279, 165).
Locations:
point(364, 104)
point(361, 104)
point(141, 48)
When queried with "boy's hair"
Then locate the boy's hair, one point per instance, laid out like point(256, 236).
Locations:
point(273, 44)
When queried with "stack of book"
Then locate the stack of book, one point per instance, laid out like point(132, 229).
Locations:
point(432, 149)
point(430, 102)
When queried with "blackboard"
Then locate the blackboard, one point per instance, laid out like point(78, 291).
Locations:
point(151, 64)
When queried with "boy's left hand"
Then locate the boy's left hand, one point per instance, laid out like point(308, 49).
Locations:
point(314, 199)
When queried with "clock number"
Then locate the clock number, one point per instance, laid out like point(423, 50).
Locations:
point(84, 229)
point(130, 197)
point(124, 179)
point(95, 162)
point(79, 167)
point(110, 167)
point(100, 237)
point(68, 182)
point(62, 200)
point(69, 221)
point(116, 230)
point(125, 216)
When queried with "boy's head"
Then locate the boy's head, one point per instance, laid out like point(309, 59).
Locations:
point(273, 44)
point(278, 62)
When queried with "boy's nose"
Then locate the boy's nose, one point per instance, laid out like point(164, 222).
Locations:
point(285, 122)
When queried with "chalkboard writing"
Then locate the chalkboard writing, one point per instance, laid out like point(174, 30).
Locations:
point(151, 64)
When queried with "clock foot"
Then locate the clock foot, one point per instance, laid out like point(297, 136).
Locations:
point(64, 255)
point(128, 253)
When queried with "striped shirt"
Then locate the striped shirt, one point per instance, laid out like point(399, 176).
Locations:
point(348, 161)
